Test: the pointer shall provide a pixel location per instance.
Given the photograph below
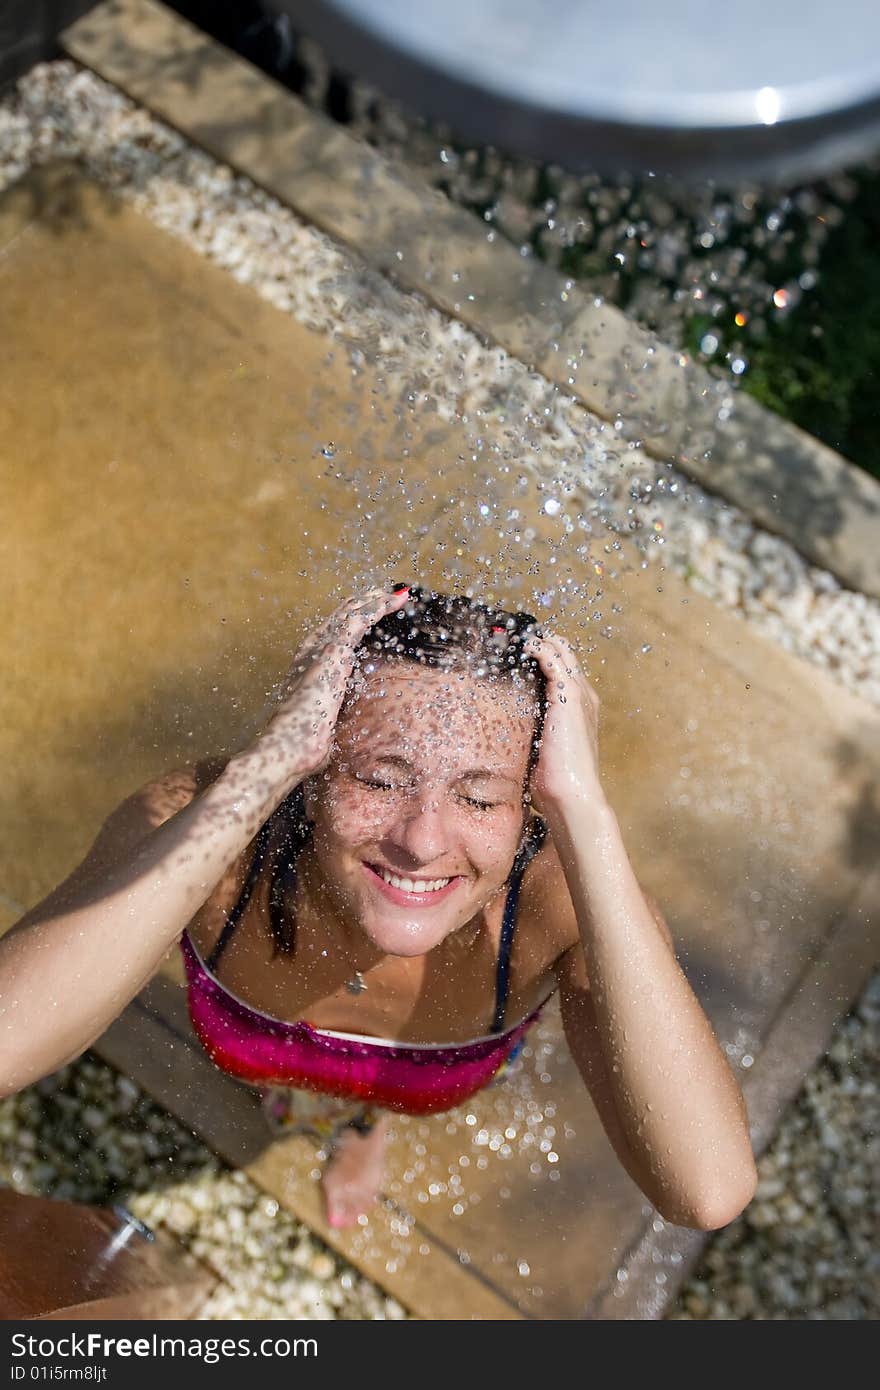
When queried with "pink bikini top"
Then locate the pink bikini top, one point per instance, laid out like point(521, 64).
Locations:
point(416, 1078)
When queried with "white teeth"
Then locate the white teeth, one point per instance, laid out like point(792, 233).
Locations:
point(409, 886)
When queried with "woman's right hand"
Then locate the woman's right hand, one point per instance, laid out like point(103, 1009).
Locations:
point(313, 690)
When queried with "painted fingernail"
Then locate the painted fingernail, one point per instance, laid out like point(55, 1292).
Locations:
point(399, 588)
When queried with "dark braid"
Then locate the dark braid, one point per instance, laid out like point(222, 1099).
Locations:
point(441, 631)
point(293, 830)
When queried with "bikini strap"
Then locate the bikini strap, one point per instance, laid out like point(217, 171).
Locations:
point(502, 978)
point(244, 897)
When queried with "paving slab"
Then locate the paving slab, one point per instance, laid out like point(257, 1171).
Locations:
point(777, 474)
point(177, 528)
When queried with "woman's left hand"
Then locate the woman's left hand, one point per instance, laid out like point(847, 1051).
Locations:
point(568, 765)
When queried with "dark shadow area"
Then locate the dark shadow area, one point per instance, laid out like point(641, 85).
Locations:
point(29, 32)
point(60, 195)
point(861, 850)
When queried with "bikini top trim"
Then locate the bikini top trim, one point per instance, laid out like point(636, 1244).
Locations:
point(502, 978)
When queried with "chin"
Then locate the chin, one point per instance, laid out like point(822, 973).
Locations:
point(406, 937)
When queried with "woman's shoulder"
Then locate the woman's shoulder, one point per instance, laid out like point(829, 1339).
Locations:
point(130, 822)
point(164, 795)
point(545, 904)
point(153, 803)
point(548, 908)
point(168, 793)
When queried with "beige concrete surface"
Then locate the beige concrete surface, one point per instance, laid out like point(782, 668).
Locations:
point(175, 530)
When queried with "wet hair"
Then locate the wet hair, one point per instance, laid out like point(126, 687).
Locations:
point(441, 632)
point(456, 633)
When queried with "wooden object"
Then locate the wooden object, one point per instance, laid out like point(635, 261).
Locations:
point(63, 1260)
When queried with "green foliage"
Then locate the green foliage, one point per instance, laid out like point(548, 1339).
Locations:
point(820, 367)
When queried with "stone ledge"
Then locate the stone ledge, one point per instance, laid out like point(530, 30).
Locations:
point(782, 478)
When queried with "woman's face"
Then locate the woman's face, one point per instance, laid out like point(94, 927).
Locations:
point(426, 784)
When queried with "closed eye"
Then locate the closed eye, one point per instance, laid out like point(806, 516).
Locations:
point(389, 787)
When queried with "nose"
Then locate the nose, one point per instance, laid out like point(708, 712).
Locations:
point(422, 829)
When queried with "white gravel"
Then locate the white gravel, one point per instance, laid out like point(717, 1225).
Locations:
point(806, 1247)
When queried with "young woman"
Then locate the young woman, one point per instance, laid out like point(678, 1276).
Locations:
point(375, 899)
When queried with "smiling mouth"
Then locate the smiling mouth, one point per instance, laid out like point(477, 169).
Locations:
point(401, 888)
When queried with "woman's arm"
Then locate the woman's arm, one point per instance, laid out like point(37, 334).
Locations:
point(73, 962)
point(661, 1084)
point(663, 1078)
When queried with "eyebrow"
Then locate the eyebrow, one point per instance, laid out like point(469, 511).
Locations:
point(471, 775)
